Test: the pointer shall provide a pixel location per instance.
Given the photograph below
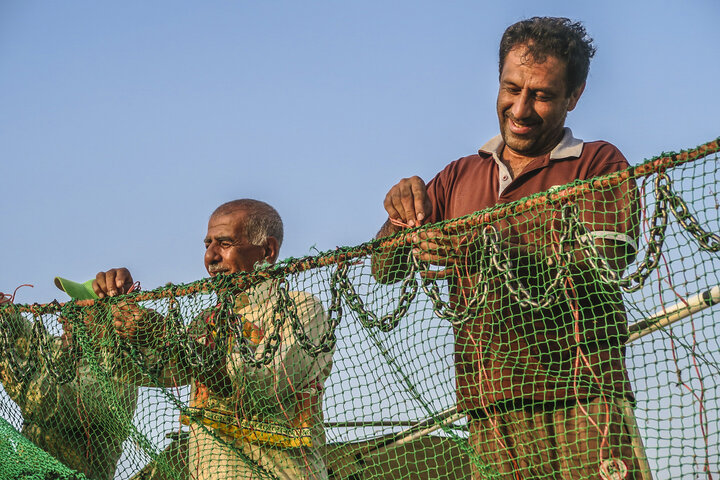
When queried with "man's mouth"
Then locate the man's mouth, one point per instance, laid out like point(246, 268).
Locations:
point(215, 269)
point(519, 128)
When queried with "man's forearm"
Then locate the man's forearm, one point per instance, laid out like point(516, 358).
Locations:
point(616, 254)
point(389, 264)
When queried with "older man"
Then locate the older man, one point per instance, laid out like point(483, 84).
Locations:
point(546, 389)
point(248, 417)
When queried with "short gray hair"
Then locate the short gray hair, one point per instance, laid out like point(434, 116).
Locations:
point(262, 220)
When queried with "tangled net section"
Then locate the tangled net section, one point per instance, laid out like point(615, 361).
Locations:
point(572, 334)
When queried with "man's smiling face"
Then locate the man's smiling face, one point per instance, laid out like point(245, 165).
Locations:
point(227, 249)
point(532, 102)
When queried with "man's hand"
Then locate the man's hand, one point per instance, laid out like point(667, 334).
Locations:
point(438, 248)
point(450, 251)
point(137, 325)
point(116, 281)
point(407, 203)
point(131, 322)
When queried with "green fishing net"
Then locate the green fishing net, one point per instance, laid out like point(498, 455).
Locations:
point(571, 333)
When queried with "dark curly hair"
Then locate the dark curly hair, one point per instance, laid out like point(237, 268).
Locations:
point(555, 36)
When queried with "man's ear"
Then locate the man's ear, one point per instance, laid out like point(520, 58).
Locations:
point(575, 96)
point(272, 249)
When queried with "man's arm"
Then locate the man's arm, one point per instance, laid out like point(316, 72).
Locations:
point(610, 220)
point(612, 217)
point(407, 205)
point(389, 265)
point(143, 328)
point(607, 239)
point(146, 329)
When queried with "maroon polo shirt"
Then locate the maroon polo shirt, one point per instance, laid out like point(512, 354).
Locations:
point(573, 349)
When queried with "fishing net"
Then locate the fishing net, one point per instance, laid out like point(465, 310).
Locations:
point(569, 334)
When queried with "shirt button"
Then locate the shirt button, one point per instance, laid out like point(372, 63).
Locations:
point(505, 177)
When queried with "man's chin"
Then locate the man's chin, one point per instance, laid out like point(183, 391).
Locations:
point(525, 146)
point(521, 146)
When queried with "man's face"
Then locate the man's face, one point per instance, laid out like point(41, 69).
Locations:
point(532, 103)
point(227, 249)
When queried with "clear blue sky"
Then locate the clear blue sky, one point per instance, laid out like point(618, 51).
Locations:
point(124, 124)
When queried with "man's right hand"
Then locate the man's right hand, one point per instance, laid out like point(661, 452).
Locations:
point(116, 281)
point(407, 203)
point(131, 322)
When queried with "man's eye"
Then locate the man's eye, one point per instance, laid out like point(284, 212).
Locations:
point(226, 244)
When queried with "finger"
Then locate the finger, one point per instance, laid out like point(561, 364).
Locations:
point(124, 325)
point(422, 205)
point(119, 323)
point(429, 247)
point(407, 204)
point(455, 245)
point(127, 318)
point(110, 285)
point(401, 200)
point(435, 275)
point(113, 282)
point(99, 286)
point(436, 235)
point(123, 280)
point(435, 243)
point(413, 198)
point(127, 310)
point(433, 258)
point(389, 204)
point(394, 203)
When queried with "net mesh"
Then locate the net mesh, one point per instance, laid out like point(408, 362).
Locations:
point(571, 333)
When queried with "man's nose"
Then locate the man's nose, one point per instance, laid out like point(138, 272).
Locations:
point(523, 105)
point(211, 253)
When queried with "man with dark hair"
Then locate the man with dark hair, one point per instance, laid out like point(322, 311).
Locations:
point(557, 37)
point(249, 418)
point(545, 388)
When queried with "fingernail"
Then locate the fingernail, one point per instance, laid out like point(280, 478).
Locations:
point(112, 292)
point(411, 223)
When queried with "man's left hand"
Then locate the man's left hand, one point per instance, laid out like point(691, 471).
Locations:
point(442, 249)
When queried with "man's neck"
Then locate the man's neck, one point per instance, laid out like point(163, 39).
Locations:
point(515, 162)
